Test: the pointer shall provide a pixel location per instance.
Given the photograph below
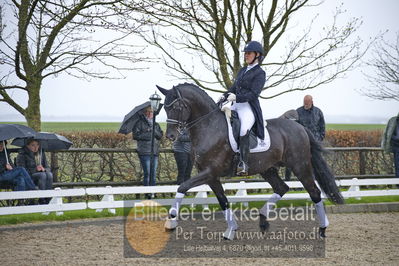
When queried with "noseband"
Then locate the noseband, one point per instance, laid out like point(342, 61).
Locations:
point(184, 125)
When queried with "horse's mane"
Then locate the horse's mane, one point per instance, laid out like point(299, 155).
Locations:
point(200, 92)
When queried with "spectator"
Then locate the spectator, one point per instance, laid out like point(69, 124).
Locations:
point(34, 160)
point(142, 131)
point(312, 118)
point(390, 141)
point(17, 177)
point(182, 153)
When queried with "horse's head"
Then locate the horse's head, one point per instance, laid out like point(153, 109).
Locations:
point(177, 110)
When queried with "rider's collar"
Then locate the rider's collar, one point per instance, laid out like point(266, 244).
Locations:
point(249, 67)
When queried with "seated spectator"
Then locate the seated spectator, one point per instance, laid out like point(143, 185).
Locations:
point(31, 158)
point(17, 177)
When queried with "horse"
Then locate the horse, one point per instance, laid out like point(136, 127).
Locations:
point(189, 107)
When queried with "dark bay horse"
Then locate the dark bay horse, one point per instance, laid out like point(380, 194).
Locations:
point(187, 106)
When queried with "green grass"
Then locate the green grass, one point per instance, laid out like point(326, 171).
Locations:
point(75, 126)
point(114, 126)
point(68, 215)
point(79, 126)
point(355, 126)
point(86, 214)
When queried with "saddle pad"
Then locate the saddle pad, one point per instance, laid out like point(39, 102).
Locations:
point(263, 145)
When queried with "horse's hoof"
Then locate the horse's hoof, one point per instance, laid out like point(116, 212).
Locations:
point(229, 234)
point(263, 223)
point(170, 224)
point(322, 232)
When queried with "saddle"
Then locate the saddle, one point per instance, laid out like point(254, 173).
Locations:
point(255, 144)
point(236, 125)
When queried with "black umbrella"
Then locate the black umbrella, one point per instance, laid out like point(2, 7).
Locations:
point(132, 117)
point(10, 131)
point(48, 141)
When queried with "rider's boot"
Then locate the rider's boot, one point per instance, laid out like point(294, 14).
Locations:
point(242, 168)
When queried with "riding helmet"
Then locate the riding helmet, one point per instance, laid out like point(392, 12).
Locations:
point(254, 46)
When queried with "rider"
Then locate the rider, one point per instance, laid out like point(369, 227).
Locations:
point(244, 95)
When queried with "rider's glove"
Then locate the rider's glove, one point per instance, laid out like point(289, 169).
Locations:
point(231, 97)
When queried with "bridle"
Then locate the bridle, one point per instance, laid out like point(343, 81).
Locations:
point(184, 125)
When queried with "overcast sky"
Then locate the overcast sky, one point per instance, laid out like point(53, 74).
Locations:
point(68, 99)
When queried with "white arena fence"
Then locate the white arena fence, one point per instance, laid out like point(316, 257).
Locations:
point(58, 206)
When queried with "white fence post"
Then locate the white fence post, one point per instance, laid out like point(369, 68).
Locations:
point(55, 200)
point(201, 194)
point(242, 193)
point(201, 198)
point(355, 188)
point(108, 198)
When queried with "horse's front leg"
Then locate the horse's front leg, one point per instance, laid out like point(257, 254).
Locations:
point(232, 226)
point(200, 179)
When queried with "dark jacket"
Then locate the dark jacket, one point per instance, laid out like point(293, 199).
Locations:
point(390, 138)
point(182, 143)
point(395, 137)
point(26, 159)
point(142, 133)
point(313, 120)
point(3, 161)
point(247, 88)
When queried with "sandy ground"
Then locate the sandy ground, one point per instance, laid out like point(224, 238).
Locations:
point(353, 239)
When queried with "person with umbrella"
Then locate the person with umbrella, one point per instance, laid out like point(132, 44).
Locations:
point(35, 162)
point(17, 177)
point(142, 131)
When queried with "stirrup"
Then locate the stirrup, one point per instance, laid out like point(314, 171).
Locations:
point(242, 169)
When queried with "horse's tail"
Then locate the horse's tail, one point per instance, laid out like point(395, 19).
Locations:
point(322, 172)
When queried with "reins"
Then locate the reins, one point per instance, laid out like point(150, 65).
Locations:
point(189, 125)
point(183, 125)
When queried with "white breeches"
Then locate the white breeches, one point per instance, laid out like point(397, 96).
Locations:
point(246, 116)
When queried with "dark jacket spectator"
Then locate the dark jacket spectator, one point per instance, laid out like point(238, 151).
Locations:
point(390, 138)
point(312, 118)
point(27, 159)
point(34, 160)
point(17, 177)
point(142, 131)
point(390, 141)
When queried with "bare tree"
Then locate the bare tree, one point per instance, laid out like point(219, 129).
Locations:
point(384, 67)
point(212, 34)
point(1, 21)
point(44, 38)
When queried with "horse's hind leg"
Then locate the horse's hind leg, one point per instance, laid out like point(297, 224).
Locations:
point(306, 178)
point(279, 189)
point(232, 226)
